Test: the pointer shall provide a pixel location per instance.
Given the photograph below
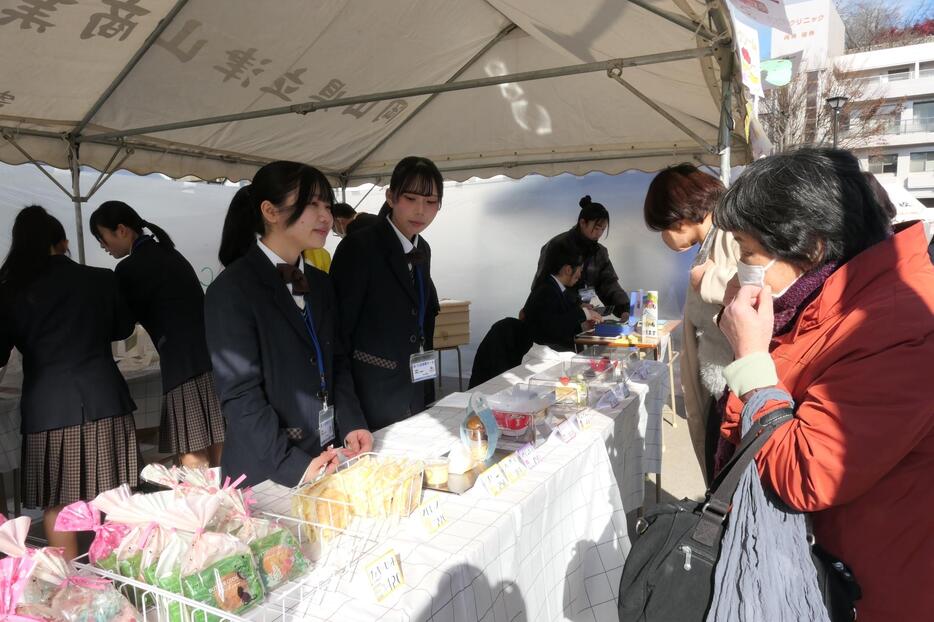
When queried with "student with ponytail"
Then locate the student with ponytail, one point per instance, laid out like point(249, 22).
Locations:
point(79, 438)
point(598, 276)
point(272, 320)
point(165, 296)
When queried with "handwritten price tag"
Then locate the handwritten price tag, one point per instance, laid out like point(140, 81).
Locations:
point(568, 429)
point(584, 419)
point(494, 480)
point(431, 515)
point(385, 575)
point(529, 457)
point(513, 468)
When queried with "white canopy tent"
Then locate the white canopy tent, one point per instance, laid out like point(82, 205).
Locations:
point(482, 87)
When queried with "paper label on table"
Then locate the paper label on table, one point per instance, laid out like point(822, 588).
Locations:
point(584, 419)
point(494, 480)
point(529, 456)
point(512, 468)
point(568, 429)
point(431, 516)
point(385, 575)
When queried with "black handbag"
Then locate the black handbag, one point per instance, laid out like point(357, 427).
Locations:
point(669, 573)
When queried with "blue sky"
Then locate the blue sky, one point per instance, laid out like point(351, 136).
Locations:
point(905, 7)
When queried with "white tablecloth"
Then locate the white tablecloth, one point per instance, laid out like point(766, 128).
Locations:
point(549, 547)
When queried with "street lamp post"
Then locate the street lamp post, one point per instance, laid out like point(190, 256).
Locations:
point(836, 104)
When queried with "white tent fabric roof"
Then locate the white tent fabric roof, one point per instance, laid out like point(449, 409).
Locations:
point(211, 59)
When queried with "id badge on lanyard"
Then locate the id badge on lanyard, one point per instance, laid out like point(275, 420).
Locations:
point(422, 365)
point(326, 424)
point(587, 293)
point(326, 414)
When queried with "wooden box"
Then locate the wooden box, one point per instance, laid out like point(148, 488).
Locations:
point(452, 326)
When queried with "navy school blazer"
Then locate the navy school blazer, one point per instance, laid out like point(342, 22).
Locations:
point(63, 323)
point(266, 372)
point(379, 304)
point(165, 296)
point(553, 317)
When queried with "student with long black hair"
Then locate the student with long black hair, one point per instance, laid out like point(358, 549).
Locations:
point(79, 438)
point(598, 276)
point(382, 275)
point(284, 383)
point(165, 296)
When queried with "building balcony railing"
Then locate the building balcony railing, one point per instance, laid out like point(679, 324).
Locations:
point(895, 77)
point(906, 126)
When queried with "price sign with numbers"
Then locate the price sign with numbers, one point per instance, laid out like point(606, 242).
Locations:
point(529, 456)
point(385, 575)
point(494, 480)
point(568, 429)
point(431, 515)
point(512, 468)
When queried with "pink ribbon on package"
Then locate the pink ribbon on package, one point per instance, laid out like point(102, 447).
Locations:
point(13, 536)
point(90, 583)
point(14, 574)
point(81, 516)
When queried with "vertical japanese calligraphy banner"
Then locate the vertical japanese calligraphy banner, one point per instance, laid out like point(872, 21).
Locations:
point(771, 13)
point(747, 46)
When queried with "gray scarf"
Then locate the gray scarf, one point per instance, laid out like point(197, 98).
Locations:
point(765, 570)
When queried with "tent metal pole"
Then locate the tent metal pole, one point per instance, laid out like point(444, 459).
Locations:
point(527, 76)
point(150, 40)
point(35, 163)
point(617, 75)
point(107, 174)
point(8, 132)
point(684, 22)
point(660, 153)
point(486, 48)
point(726, 119)
point(75, 166)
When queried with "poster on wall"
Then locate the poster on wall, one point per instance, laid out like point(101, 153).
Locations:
point(769, 13)
point(747, 46)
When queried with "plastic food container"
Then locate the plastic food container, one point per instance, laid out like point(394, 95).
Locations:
point(515, 408)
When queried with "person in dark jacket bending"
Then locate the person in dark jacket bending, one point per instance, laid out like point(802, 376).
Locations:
point(552, 311)
point(597, 276)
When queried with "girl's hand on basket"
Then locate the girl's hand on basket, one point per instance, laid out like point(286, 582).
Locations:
point(324, 463)
point(358, 442)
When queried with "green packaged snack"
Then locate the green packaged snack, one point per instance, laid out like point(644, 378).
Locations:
point(278, 558)
point(108, 563)
point(232, 584)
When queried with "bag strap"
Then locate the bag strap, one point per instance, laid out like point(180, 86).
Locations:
point(719, 497)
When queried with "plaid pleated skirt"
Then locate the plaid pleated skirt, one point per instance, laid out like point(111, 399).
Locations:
point(79, 462)
point(191, 417)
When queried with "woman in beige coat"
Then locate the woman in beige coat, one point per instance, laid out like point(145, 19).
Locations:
point(679, 204)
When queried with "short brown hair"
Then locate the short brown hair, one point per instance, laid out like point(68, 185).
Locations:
point(680, 192)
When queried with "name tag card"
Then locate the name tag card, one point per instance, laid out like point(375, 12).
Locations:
point(529, 456)
point(385, 575)
point(494, 480)
point(424, 366)
point(513, 468)
point(431, 516)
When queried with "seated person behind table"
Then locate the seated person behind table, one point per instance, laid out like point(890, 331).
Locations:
point(553, 316)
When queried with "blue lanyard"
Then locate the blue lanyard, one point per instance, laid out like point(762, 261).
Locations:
point(310, 325)
point(422, 306)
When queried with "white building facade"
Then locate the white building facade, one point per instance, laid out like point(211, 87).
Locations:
point(904, 78)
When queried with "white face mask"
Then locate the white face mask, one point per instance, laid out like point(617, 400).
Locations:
point(752, 275)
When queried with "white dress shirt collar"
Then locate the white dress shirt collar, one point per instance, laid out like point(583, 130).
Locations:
point(275, 259)
point(560, 284)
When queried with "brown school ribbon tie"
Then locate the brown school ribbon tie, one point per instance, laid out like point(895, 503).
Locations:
point(416, 256)
point(295, 276)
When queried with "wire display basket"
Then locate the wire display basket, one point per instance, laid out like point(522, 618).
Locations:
point(335, 531)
